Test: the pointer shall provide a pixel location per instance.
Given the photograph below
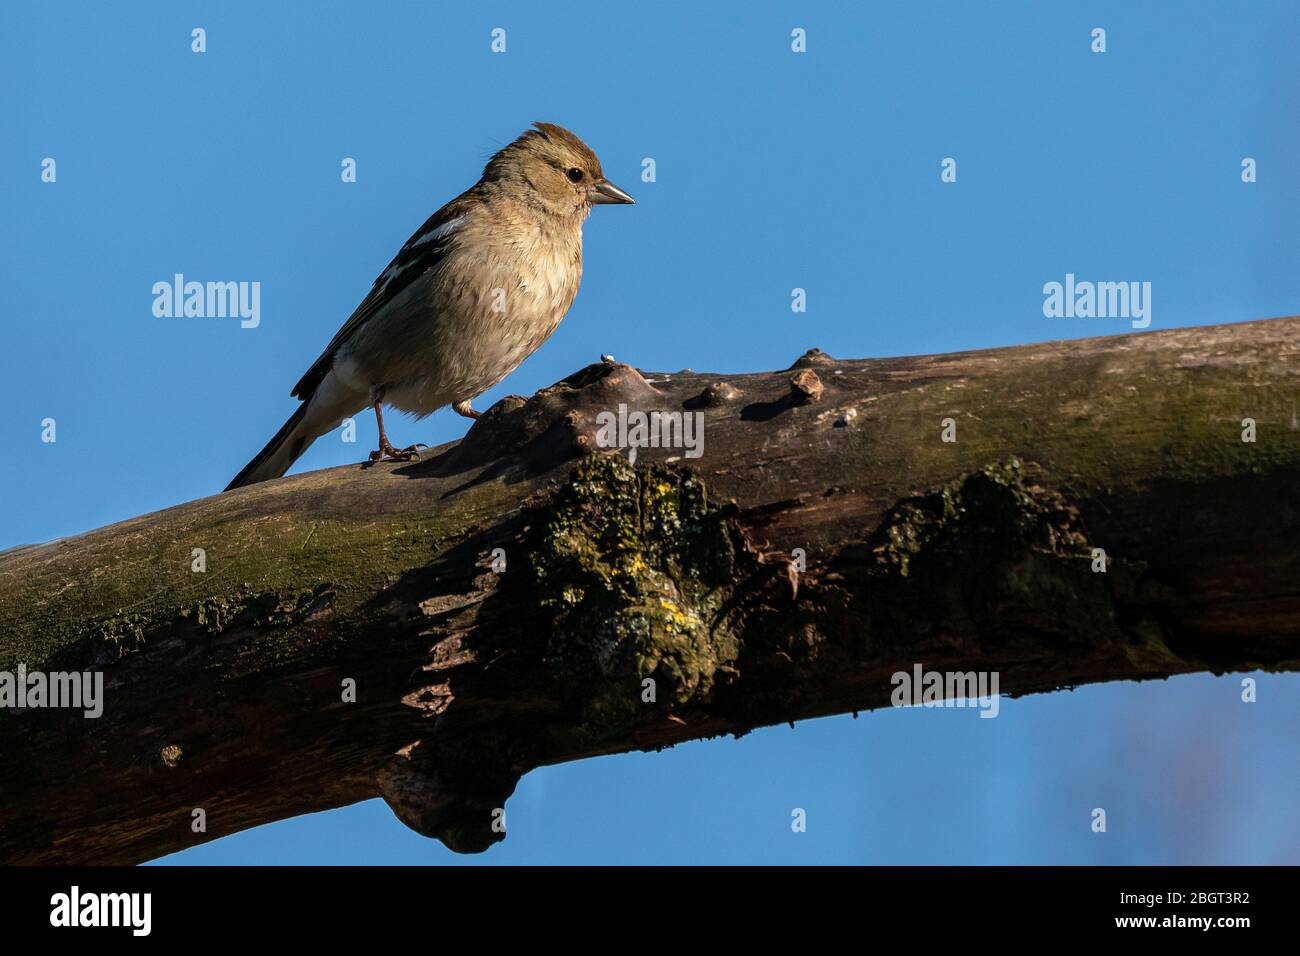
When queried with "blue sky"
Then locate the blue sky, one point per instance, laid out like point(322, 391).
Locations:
point(775, 170)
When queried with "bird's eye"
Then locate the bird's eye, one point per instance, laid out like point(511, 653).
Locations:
point(575, 175)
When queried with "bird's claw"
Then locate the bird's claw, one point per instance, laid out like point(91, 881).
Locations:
point(387, 452)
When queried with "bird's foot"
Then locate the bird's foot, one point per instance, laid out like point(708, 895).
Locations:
point(462, 408)
point(387, 452)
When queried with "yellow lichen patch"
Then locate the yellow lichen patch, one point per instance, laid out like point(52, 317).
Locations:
point(649, 557)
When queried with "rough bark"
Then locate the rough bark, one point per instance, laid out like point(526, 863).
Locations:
point(224, 689)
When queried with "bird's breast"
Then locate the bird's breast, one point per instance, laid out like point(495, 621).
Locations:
point(493, 304)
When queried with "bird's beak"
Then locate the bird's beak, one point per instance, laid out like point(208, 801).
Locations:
point(606, 192)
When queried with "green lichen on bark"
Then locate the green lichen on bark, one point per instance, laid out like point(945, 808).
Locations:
point(990, 553)
point(630, 567)
point(265, 573)
point(117, 636)
point(991, 510)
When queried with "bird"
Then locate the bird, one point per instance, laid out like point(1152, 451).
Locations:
point(476, 290)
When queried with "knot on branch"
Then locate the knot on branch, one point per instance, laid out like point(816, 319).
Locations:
point(456, 791)
point(556, 425)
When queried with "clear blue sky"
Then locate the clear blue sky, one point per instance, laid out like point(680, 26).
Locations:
point(775, 170)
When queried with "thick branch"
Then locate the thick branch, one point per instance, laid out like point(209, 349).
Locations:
point(225, 688)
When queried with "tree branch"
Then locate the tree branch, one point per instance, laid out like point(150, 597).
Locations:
point(676, 577)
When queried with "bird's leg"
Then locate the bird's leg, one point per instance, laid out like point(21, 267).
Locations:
point(386, 450)
point(462, 408)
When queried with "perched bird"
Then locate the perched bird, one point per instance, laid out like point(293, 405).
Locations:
point(478, 288)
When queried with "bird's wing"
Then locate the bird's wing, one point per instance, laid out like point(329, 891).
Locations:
point(423, 251)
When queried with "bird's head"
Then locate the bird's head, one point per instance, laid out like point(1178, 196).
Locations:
point(550, 167)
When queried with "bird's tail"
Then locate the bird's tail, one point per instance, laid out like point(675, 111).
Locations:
point(293, 438)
